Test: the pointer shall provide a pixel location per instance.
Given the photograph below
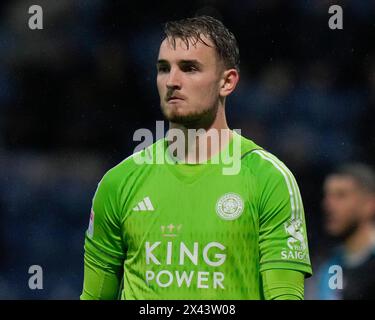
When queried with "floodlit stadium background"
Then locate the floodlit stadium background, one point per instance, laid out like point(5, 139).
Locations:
point(72, 95)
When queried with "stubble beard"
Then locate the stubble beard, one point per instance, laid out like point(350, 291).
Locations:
point(194, 120)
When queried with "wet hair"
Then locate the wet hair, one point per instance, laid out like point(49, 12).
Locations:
point(190, 30)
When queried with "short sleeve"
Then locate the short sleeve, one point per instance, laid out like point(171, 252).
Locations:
point(282, 226)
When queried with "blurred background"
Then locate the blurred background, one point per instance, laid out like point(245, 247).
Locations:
point(72, 95)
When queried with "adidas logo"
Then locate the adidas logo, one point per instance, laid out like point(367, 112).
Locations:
point(144, 205)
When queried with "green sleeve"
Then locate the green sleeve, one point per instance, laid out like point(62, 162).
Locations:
point(104, 250)
point(281, 284)
point(282, 226)
point(100, 282)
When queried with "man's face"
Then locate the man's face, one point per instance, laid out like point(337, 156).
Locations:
point(188, 81)
point(343, 205)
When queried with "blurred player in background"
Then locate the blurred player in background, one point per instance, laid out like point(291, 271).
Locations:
point(349, 204)
point(183, 229)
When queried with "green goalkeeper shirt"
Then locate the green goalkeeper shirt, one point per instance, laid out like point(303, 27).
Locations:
point(189, 231)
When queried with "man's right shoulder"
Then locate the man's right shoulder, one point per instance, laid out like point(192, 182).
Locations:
point(131, 166)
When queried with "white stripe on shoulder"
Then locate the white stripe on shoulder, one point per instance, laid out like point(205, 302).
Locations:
point(297, 193)
point(287, 176)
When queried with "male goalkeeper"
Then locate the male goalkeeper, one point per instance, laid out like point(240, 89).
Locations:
point(185, 229)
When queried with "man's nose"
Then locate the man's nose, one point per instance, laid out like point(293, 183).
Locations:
point(174, 79)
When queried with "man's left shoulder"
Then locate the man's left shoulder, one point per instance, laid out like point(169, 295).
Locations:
point(262, 161)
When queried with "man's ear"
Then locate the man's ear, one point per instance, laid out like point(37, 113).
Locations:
point(229, 82)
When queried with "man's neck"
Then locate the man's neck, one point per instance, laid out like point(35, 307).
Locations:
point(201, 145)
point(361, 241)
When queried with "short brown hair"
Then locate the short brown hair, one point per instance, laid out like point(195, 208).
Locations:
point(363, 174)
point(193, 28)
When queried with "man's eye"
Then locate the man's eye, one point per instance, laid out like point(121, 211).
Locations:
point(189, 68)
point(163, 69)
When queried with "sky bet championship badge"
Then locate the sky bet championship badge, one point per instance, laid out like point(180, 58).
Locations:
point(90, 230)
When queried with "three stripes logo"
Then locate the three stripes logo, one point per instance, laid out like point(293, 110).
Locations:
point(144, 205)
